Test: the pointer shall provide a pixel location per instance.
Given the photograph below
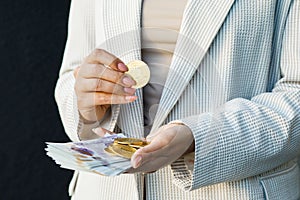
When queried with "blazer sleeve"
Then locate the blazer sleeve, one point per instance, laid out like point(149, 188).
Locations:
point(244, 138)
point(80, 42)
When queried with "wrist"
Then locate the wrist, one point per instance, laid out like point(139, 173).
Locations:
point(85, 120)
point(189, 135)
point(190, 149)
point(93, 115)
point(189, 132)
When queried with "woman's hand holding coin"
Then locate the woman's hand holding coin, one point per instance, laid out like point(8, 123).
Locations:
point(100, 82)
point(161, 148)
point(165, 146)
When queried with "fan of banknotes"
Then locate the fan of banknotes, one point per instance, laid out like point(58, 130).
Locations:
point(108, 156)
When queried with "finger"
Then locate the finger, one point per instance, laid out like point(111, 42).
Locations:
point(150, 137)
point(149, 162)
point(89, 100)
point(100, 85)
point(100, 56)
point(136, 159)
point(156, 144)
point(140, 157)
point(107, 99)
point(153, 134)
point(130, 170)
point(76, 71)
point(101, 131)
point(100, 71)
point(136, 170)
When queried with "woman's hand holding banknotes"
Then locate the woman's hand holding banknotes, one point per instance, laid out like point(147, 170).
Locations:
point(165, 146)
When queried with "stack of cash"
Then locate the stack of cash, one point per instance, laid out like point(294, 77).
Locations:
point(108, 156)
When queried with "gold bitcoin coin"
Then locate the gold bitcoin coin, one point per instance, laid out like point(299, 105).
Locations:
point(125, 147)
point(129, 141)
point(109, 150)
point(140, 72)
point(123, 150)
point(136, 146)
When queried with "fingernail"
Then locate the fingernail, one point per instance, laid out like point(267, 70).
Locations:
point(128, 81)
point(129, 90)
point(137, 162)
point(130, 98)
point(122, 67)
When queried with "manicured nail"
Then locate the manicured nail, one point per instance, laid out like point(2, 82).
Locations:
point(128, 81)
point(129, 90)
point(122, 67)
point(130, 98)
point(137, 162)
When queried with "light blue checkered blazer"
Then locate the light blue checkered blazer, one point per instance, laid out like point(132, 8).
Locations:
point(234, 80)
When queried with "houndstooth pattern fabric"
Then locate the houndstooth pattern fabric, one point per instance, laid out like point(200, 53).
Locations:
point(234, 80)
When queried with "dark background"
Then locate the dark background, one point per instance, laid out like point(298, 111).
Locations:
point(32, 39)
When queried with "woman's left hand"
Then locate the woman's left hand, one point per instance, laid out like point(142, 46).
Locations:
point(166, 145)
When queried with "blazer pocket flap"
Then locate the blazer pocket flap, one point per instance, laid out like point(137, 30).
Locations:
point(282, 185)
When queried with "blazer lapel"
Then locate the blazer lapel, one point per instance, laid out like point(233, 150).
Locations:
point(202, 20)
point(122, 31)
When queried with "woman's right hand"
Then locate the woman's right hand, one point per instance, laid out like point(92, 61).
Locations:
point(98, 87)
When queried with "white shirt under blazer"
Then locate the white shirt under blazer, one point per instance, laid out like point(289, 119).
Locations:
point(234, 80)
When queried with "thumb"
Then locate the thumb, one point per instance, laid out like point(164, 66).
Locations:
point(155, 133)
point(101, 131)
